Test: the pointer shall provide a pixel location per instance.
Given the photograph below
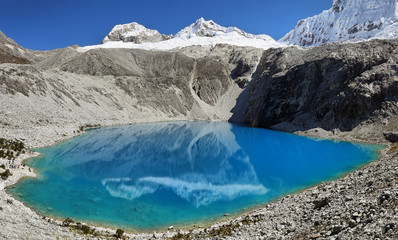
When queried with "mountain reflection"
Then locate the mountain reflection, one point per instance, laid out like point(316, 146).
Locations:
point(200, 162)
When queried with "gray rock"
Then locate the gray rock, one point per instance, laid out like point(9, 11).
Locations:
point(334, 87)
point(352, 223)
point(318, 204)
point(135, 33)
point(391, 136)
point(388, 227)
point(336, 229)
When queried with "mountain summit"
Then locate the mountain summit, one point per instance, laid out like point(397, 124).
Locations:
point(199, 33)
point(347, 20)
point(134, 32)
point(203, 28)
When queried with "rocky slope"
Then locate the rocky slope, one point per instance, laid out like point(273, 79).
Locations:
point(334, 87)
point(10, 49)
point(347, 20)
point(241, 61)
point(12, 52)
point(110, 86)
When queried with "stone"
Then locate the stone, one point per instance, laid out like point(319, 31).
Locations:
point(336, 229)
point(388, 227)
point(352, 223)
point(279, 227)
point(384, 197)
point(318, 204)
point(391, 136)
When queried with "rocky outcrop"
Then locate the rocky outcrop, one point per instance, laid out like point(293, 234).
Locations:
point(391, 136)
point(331, 87)
point(12, 52)
point(135, 33)
point(8, 58)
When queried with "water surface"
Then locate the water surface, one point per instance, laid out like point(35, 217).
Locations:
point(151, 176)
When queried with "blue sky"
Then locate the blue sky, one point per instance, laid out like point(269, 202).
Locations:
point(50, 24)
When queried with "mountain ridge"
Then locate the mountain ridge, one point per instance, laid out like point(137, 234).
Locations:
point(199, 33)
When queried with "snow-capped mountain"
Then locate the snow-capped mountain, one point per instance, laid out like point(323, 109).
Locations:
point(136, 33)
point(200, 33)
point(347, 20)
point(203, 28)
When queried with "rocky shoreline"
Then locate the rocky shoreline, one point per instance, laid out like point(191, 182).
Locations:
point(361, 205)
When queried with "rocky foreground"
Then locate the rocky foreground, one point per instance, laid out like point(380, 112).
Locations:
point(345, 91)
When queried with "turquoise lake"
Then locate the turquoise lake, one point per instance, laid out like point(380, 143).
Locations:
point(150, 176)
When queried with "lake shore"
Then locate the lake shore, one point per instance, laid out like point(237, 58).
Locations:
point(351, 206)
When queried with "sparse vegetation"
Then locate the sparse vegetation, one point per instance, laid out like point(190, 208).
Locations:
point(10, 149)
point(179, 236)
point(119, 233)
point(5, 174)
point(3, 166)
point(87, 126)
point(226, 230)
point(9, 201)
point(67, 222)
point(84, 229)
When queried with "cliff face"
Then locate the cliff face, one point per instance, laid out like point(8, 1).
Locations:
point(332, 87)
point(347, 20)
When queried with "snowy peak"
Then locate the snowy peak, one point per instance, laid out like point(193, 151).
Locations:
point(203, 28)
point(200, 33)
point(137, 33)
point(347, 20)
point(134, 32)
